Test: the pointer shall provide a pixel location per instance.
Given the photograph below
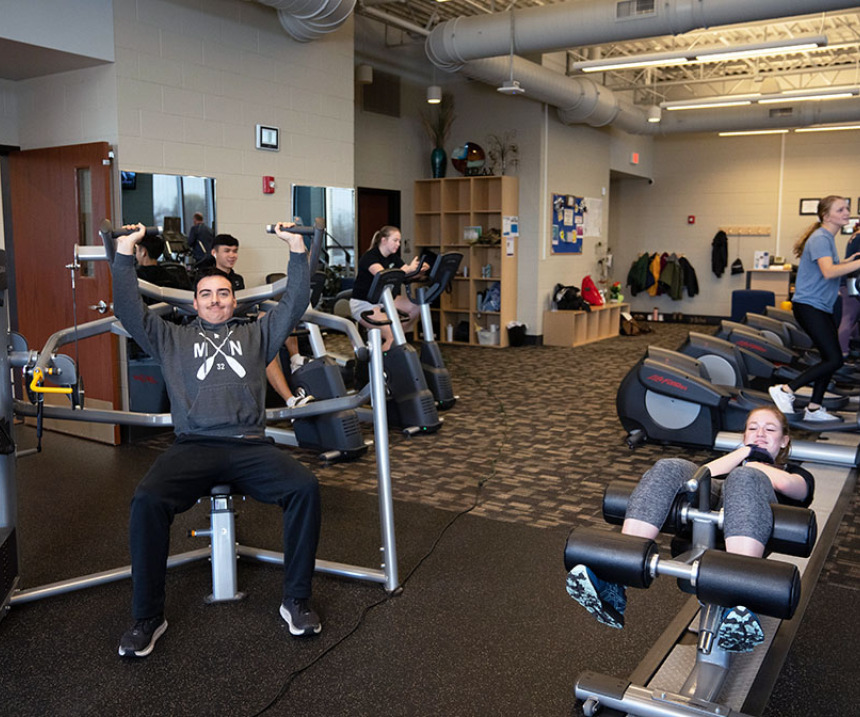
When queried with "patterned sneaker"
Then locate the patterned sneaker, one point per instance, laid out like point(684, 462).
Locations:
point(299, 398)
point(606, 601)
point(139, 639)
point(819, 415)
point(300, 616)
point(784, 400)
point(739, 630)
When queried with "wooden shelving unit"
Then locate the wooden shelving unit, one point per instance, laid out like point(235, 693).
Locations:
point(443, 210)
point(575, 328)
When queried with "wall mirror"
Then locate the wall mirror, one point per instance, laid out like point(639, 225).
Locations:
point(167, 200)
point(337, 206)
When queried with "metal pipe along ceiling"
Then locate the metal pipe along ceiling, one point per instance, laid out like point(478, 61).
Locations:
point(480, 47)
point(306, 20)
point(593, 22)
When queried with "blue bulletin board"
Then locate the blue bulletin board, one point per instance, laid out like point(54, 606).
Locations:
point(567, 217)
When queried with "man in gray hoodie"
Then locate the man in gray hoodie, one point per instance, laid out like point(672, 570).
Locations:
point(215, 371)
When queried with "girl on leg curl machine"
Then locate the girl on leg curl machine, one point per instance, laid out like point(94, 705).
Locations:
point(756, 475)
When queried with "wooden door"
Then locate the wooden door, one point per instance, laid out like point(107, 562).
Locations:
point(375, 208)
point(59, 196)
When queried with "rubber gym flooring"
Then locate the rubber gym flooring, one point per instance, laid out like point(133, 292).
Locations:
point(483, 625)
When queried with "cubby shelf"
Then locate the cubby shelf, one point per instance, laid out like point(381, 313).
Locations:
point(443, 210)
point(574, 328)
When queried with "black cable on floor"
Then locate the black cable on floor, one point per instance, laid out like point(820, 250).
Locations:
point(475, 502)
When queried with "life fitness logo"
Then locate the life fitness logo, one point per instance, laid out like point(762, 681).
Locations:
point(658, 378)
point(748, 345)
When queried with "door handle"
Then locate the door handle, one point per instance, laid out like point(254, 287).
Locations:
point(101, 307)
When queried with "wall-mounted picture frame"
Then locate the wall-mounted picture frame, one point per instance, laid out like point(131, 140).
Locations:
point(852, 226)
point(809, 206)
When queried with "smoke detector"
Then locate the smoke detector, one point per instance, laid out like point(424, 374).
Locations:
point(511, 87)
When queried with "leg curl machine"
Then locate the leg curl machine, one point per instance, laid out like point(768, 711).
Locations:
point(718, 580)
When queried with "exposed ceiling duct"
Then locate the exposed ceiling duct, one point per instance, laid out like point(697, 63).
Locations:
point(478, 47)
point(307, 20)
point(592, 22)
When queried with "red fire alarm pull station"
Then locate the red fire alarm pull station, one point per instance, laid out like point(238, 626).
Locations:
point(691, 219)
point(634, 158)
point(268, 185)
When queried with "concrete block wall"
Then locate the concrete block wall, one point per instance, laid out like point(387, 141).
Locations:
point(195, 78)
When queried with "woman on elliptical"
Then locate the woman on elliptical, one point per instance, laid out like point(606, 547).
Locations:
point(815, 294)
point(384, 253)
point(746, 481)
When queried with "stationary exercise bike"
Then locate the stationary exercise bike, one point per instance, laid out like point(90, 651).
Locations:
point(438, 279)
point(411, 405)
point(718, 579)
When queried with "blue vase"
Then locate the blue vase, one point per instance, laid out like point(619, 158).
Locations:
point(438, 162)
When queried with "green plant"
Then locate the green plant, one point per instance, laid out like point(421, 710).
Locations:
point(438, 120)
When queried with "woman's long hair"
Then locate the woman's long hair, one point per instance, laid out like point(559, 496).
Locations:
point(383, 233)
point(823, 210)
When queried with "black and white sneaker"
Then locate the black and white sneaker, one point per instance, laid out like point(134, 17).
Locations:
point(301, 617)
point(606, 601)
point(739, 630)
point(299, 398)
point(139, 640)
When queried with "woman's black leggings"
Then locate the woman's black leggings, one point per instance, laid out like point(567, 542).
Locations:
point(824, 332)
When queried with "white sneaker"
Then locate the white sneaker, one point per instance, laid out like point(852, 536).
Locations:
point(819, 414)
point(784, 401)
point(299, 399)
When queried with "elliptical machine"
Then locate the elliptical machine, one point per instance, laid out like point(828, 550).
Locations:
point(667, 397)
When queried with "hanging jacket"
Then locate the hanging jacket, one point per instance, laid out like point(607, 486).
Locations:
point(691, 282)
point(672, 278)
point(719, 253)
point(654, 271)
point(637, 277)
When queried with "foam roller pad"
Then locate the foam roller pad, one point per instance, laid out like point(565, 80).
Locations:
point(612, 556)
point(764, 586)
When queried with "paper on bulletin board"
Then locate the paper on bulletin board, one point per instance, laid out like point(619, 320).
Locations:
point(566, 223)
point(510, 231)
point(593, 217)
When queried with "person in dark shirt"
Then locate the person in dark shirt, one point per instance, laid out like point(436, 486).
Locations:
point(384, 253)
point(756, 475)
point(147, 252)
point(200, 239)
point(223, 256)
point(214, 368)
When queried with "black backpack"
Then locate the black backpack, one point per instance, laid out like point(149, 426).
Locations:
point(569, 298)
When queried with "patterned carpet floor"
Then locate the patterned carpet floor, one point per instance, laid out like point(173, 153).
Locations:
point(534, 438)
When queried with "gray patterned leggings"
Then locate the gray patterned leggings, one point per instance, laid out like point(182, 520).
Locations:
point(745, 495)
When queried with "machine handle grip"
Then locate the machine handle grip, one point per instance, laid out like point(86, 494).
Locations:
point(304, 231)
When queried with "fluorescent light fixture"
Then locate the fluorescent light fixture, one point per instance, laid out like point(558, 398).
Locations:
point(702, 55)
point(631, 63)
point(705, 104)
point(434, 95)
point(788, 97)
point(747, 133)
point(837, 128)
point(766, 49)
point(807, 97)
